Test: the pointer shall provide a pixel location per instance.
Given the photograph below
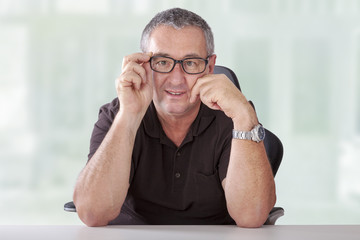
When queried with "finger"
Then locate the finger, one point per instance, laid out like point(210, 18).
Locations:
point(195, 92)
point(129, 79)
point(207, 89)
point(148, 73)
point(136, 68)
point(136, 57)
point(197, 88)
point(207, 94)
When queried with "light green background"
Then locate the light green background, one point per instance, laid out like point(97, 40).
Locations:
point(297, 60)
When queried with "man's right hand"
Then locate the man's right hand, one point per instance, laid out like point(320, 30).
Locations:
point(134, 85)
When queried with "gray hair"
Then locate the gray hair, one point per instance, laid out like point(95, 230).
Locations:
point(178, 18)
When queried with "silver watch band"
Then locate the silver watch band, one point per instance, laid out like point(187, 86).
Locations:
point(241, 135)
point(257, 134)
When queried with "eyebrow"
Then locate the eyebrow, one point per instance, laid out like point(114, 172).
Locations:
point(189, 55)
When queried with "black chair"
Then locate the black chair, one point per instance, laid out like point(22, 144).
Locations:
point(273, 147)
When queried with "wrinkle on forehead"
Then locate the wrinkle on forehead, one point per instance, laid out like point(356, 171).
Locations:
point(178, 43)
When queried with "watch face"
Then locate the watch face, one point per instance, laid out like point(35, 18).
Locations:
point(261, 133)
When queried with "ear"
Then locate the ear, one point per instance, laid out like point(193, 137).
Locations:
point(212, 61)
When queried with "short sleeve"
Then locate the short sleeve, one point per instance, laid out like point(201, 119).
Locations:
point(106, 116)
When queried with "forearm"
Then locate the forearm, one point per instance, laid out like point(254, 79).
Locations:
point(249, 185)
point(103, 184)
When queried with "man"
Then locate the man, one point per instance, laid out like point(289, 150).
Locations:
point(162, 152)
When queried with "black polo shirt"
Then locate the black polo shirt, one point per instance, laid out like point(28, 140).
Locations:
point(170, 184)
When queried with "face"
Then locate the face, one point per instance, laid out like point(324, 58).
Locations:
point(172, 90)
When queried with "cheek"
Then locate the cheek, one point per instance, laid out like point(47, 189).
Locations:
point(158, 83)
point(191, 82)
point(157, 80)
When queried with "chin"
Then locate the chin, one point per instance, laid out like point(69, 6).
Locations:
point(181, 109)
point(176, 110)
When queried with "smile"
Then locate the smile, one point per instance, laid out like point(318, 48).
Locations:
point(175, 93)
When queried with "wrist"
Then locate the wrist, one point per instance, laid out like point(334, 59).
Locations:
point(128, 121)
point(257, 134)
point(244, 124)
point(245, 119)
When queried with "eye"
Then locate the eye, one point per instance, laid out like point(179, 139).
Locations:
point(162, 62)
point(191, 63)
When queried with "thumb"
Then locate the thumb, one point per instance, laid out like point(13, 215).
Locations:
point(195, 92)
point(149, 74)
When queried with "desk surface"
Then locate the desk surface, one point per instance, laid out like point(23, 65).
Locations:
point(278, 232)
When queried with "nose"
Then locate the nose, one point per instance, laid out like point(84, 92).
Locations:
point(177, 75)
point(178, 67)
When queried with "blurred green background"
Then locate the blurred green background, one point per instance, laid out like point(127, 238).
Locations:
point(297, 60)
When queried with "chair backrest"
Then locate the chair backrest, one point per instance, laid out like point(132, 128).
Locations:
point(273, 146)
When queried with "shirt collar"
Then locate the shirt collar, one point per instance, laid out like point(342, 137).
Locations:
point(203, 120)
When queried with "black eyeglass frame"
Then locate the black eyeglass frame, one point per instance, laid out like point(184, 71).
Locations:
point(181, 63)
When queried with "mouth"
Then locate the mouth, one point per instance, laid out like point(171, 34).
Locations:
point(175, 93)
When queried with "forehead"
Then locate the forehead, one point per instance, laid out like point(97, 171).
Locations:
point(177, 43)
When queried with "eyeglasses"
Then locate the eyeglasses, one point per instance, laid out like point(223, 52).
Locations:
point(195, 65)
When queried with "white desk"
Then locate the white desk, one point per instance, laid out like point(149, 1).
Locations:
point(278, 232)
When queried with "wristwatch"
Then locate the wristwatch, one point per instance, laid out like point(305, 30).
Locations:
point(257, 134)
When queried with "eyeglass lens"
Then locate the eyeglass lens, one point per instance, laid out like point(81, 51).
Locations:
point(166, 64)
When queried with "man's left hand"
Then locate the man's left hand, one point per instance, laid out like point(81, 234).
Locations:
point(219, 93)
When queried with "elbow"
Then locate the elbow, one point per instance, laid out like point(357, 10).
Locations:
point(250, 220)
point(253, 217)
point(94, 215)
point(254, 223)
point(95, 218)
point(92, 220)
